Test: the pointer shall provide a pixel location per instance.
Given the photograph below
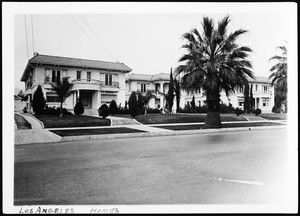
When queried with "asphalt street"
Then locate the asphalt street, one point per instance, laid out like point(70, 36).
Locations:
point(245, 167)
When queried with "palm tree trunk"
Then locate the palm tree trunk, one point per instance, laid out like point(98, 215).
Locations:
point(213, 119)
point(61, 109)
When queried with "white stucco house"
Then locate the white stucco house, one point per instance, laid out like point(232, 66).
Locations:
point(158, 83)
point(263, 92)
point(95, 82)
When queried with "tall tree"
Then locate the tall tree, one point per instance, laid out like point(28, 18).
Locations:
point(170, 97)
point(246, 99)
point(177, 93)
point(251, 100)
point(279, 75)
point(63, 89)
point(193, 104)
point(214, 62)
point(38, 102)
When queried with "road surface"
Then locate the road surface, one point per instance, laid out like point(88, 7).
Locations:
point(246, 167)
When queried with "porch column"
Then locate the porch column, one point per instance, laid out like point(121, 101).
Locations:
point(99, 99)
point(161, 96)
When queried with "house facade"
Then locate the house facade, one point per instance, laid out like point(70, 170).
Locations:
point(263, 92)
point(158, 84)
point(95, 82)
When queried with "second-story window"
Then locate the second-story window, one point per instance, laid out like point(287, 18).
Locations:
point(55, 75)
point(88, 76)
point(78, 75)
point(108, 79)
point(143, 87)
point(265, 88)
point(256, 87)
point(47, 75)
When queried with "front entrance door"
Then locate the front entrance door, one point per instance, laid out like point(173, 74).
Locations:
point(86, 97)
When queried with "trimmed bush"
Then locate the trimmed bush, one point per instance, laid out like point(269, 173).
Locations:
point(79, 108)
point(103, 111)
point(133, 105)
point(238, 111)
point(113, 107)
point(38, 102)
point(257, 112)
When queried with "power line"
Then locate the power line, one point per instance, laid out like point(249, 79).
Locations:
point(95, 34)
point(32, 34)
point(84, 31)
point(26, 37)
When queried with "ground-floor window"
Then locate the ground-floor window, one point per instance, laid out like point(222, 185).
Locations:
point(265, 102)
point(52, 97)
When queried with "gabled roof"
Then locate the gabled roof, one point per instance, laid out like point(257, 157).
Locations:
point(148, 78)
point(74, 62)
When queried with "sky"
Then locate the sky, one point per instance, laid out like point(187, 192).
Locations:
point(148, 43)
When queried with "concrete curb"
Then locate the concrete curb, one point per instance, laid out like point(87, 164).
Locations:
point(169, 133)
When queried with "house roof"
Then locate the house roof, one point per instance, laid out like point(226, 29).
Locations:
point(147, 77)
point(73, 62)
point(258, 79)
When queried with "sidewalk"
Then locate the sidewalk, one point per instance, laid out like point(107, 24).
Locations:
point(35, 135)
point(43, 135)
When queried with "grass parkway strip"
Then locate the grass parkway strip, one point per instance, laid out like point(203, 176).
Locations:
point(21, 122)
point(54, 121)
point(81, 132)
point(229, 125)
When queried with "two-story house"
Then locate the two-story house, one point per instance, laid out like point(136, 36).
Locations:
point(95, 82)
point(263, 94)
point(158, 83)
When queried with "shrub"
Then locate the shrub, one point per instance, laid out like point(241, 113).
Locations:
point(79, 108)
point(133, 105)
point(38, 101)
point(275, 109)
point(124, 110)
point(224, 108)
point(103, 111)
point(201, 109)
point(113, 107)
point(238, 111)
point(55, 111)
point(150, 110)
point(257, 112)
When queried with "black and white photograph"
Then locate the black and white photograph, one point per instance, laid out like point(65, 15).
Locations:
point(149, 107)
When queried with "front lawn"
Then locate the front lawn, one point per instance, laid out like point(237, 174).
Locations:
point(273, 116)
point(54, 121)
point(182, 118)
point(229, 125)
point(80, 132)
point(21, 122)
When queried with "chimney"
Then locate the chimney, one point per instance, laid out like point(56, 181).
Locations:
point(35, 54)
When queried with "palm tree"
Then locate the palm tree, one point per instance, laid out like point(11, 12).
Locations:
point(63, 90)
point(214, 62)
point(146, 97)
point(279, 75)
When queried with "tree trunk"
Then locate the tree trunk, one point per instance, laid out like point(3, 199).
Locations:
point(145, 110)
point(213, 119)
point(61, 110)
